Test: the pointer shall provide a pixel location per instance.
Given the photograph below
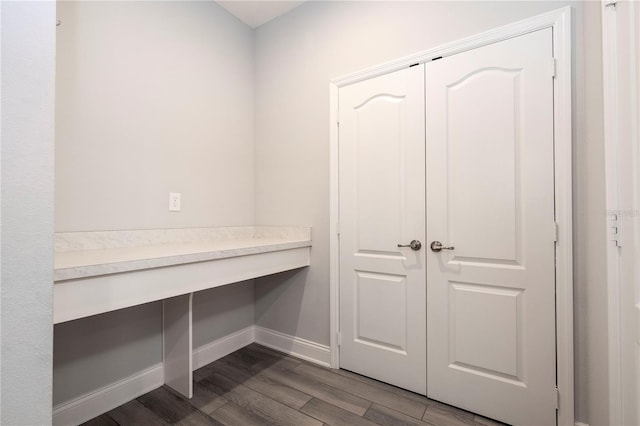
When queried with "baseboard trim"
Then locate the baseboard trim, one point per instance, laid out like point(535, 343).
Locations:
point(296, 346)
point(217, 349)
point(581, 424)
point(93, 404)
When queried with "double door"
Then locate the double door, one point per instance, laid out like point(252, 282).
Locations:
point(447, 244)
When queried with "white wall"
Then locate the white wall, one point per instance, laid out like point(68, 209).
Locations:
point(589, 212)
point(28, 67)
point(152, 97)
point(296, 57)
point(221, 311)
point(92, 353)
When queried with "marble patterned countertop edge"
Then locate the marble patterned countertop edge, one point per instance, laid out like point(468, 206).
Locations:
point(100, 240)
point(87, 254)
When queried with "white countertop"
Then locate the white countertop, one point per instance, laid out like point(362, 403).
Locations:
point(88, 254)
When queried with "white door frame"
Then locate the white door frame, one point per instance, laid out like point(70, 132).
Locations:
point(621, 62)
point(560, 21)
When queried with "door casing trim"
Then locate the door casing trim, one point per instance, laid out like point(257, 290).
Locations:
point(620, 54)
point(560, 21)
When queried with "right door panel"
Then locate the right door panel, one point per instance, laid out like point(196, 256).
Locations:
point(490, 196)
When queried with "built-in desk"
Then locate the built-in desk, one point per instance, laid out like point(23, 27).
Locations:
point(98, 272)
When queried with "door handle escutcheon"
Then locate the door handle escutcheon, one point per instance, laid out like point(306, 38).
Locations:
point(437, 246)
point(415, 245)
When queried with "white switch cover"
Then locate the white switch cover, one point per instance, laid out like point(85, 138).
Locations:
point(174, 201)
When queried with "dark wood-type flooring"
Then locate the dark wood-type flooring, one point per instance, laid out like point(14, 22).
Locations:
point(259, 386)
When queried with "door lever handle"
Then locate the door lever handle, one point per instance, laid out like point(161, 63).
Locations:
point(437, 246)
point(414, 245)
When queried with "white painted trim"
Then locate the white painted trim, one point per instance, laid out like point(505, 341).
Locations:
point(296, 346)
point(621, 51)
point(222, 347)
point(560, 21)
point(334, 238)
point(610, 101)
point(562, 48)
point(109, 397)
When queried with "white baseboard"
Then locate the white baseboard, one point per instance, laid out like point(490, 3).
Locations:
point(581, 424)
point(95, 403)
point(301, 348)
point(222, 347)
point(109, 397)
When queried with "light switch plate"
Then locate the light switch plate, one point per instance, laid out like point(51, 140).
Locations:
point(174, 201)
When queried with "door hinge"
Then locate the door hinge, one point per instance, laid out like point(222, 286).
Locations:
point(557, 398)
point(338, 229)
point(555, 232)
point(613, 229)
point(339, 338)
point(553, 67)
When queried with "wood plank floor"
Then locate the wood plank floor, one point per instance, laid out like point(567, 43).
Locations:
point(259, 386)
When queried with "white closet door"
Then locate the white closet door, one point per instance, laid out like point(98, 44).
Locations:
point(382, 204)
point(490, 196)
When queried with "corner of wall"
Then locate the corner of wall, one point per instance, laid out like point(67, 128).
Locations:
point(27, 154)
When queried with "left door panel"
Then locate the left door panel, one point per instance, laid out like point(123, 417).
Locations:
point(382, 205)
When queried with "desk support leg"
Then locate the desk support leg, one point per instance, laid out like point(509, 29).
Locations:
point(177, 343)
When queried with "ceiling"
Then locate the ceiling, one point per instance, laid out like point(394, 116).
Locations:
point(256, 13)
